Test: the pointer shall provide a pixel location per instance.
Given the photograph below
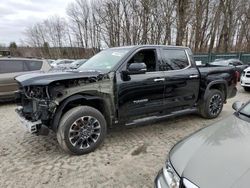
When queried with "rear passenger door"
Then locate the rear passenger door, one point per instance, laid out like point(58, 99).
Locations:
point(33, 65)
point(182, 78)
point(9, 69)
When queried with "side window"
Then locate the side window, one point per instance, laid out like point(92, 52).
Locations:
point(10, 66)
point(173, 59)
point(34, 65)
point(147, 56)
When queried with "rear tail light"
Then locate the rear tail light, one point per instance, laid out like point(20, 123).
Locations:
point(236, 77)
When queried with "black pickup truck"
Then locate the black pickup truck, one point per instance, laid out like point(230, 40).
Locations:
point(121, 86)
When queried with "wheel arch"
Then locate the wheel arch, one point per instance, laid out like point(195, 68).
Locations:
point(80, 99)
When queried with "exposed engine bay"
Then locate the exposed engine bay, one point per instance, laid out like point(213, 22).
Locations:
point(39, 102)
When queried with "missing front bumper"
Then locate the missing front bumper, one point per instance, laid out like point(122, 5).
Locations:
point(32, 127)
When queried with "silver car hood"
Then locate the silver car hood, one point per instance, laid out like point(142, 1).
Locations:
point(216, 156)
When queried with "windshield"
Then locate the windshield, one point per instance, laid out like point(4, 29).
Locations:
point(246, 110)
point(105, 60)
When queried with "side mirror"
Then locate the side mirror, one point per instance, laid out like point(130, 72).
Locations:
point(137, 68)
point(237, 105)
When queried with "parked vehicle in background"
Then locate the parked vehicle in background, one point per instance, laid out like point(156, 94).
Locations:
point(62, 63)
point(216, 156)
point(12, 67)
point(5, 53)
point(50, 61)
point(245, 79)
point(219, 59)
point(121, 86)
point(77, 63)
point(239, 65)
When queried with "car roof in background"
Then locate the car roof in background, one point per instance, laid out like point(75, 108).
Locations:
point(63, 59)
point(20, 58)
point(234, 60)
point(219, 62)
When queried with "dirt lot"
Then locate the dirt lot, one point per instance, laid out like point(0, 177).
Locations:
point(129, 157)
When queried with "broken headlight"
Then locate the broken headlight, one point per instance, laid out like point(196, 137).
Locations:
point(38, 92)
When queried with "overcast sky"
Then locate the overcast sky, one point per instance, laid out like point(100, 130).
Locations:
point(16, 15)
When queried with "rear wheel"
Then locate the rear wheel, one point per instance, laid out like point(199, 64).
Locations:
point(247, 88)
point(81, 130)
point(212, 105)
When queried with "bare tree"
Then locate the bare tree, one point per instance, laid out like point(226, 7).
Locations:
point(203, 25)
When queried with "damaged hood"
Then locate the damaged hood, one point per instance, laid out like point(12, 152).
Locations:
point(47, 78)
point(217, 156)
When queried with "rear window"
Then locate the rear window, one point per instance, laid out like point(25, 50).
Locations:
point(174, 59)
point(34, 65)
point(9, 66)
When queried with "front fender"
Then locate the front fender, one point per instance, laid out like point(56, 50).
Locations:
point(63, 104)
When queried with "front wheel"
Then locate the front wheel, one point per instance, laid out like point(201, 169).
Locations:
point(81, 130)
point(212, 105)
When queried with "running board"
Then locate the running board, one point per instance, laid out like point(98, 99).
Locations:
point(154, 119)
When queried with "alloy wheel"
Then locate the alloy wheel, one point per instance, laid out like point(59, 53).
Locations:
point(215, 104)
point(84, 132)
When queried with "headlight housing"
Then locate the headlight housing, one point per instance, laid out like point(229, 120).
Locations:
point(172, 178)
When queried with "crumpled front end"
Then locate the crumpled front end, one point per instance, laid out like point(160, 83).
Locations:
point(40, 96)
point(35, 108)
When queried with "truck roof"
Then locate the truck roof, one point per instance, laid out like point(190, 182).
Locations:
point(153, 46)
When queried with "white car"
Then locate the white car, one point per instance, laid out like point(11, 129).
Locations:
point(62, 63)
point(245, 79)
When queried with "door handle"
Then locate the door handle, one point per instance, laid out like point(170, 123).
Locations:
point(194, 76)
point(159, 79)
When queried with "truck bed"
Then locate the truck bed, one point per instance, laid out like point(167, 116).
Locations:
point(207, 69)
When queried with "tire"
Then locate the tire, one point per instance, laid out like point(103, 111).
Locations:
point(212, 105)
point(81, 130)
point(247, 89)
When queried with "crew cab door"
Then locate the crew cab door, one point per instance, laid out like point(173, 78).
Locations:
point(140, 94)
point(182, 78)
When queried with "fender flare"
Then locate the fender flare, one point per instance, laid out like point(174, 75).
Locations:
point(59, 110)
point(216, 82)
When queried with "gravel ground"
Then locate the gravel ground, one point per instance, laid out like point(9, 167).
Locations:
point(129, 157)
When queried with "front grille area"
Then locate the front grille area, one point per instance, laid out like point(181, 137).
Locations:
point(27, 104)
point(27, 107)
